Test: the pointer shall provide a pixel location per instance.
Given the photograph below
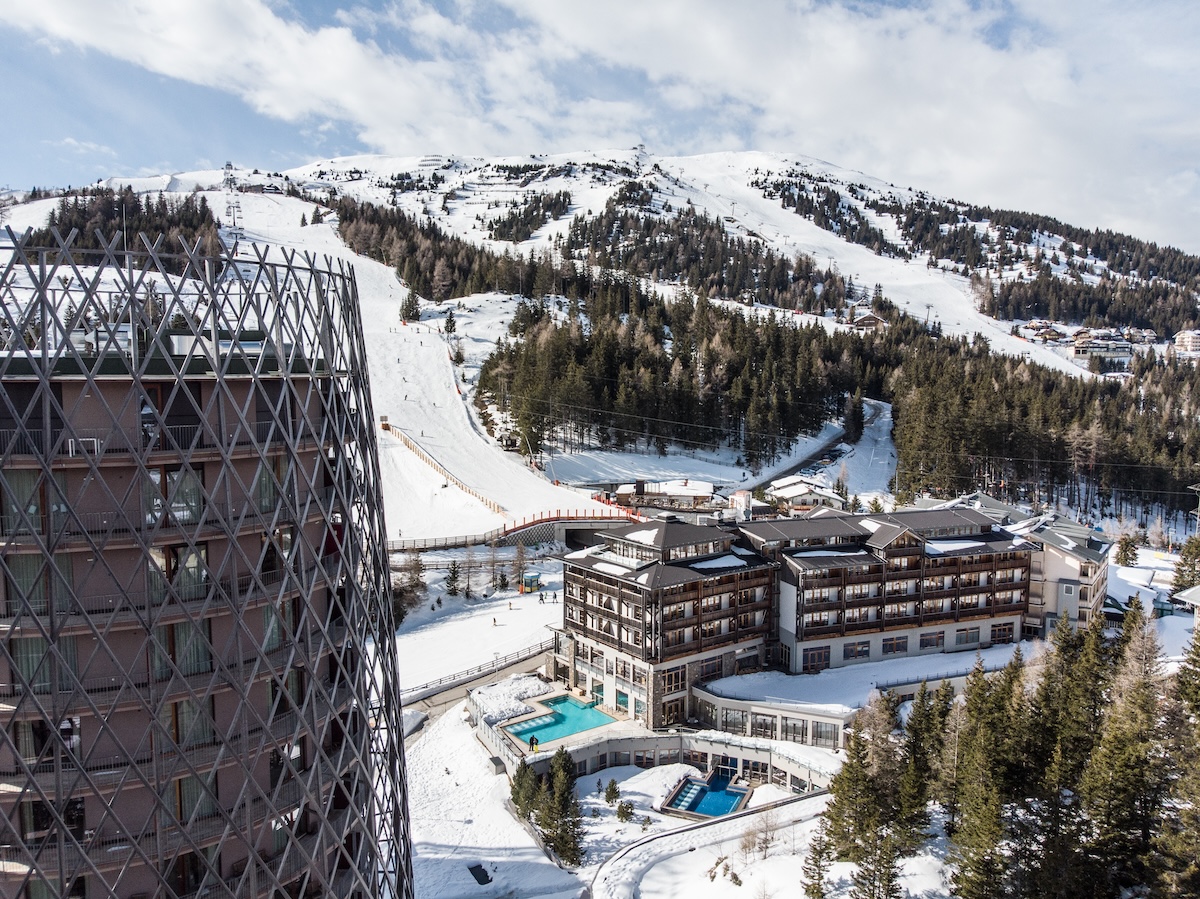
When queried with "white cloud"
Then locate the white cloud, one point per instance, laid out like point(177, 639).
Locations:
point(83, 147)
point(1083, 109)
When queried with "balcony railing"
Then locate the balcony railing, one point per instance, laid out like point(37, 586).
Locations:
point(203, 517)
point(101, 442)
point(106, 851)
point(148, 686)
point(111, 770)
point(249, 589)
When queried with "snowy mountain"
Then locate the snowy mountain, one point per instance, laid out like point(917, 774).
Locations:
point(935, 258)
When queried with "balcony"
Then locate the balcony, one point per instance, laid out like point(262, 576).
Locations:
point(202, 519)
point(104, 443)
point(140, 688)
point(129, 607)
point(110, 772)
point(106, 851)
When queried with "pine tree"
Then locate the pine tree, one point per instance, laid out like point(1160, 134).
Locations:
point(524, 791)
point(878, 874)
point(979, 864)
point(450, 326)
point(853, 813)
point(1187, 569)
point(817, 863)
point(1178, 840)
point(558, 814)
point(1187, 680)
point(1127, 547)
point(452, 579)
point(1125, 780)
point(410, 307)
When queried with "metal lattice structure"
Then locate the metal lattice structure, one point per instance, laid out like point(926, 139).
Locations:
point(198, 690)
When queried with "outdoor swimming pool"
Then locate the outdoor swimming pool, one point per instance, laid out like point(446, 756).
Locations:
point(567, 716)
point(709, 798)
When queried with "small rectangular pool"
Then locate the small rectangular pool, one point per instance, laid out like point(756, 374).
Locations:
point(566, 716)
point(706, 798)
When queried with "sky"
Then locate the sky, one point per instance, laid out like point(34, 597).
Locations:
point(1086, 110)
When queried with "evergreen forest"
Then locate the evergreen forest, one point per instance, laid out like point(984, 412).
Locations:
point(1076, 776)
point(597, 357)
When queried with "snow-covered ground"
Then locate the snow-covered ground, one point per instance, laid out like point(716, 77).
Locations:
point(435, 642)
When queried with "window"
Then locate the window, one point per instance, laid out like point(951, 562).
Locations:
point(825, 734)
point(934, 640)
point(187, 871)
point(711, 603)
point(639, 708)
point(173, 494)
point(674, 679)
point(733, 721)
point(897, 610)
point(672, 712)
point(814, 659)
point(38, 586)
point(622, 701)
point(269, 480)
point(859, 650)
point(966, 635)
point(189, 722)
point(795, 729)
point(287, 694)
point(186, 645)
point(32, 738)
point(710, 669)
point(178, 570)
point(763, 726)
point(38, 666)
point(28, 499)
point(1002, 633)
point(192, 796)
point(710, 629)
point(856, 616)
point(279, 624)
point(895, 645)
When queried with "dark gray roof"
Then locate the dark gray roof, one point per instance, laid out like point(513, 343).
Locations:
point(651, 575)
point(667, 533)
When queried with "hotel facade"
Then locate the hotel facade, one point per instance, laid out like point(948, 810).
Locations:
point(194, 583)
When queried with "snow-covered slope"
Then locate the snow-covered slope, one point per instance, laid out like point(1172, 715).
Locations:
point(414, 382)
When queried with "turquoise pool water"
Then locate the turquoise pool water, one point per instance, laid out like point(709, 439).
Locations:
point(710, 798)
point(567, 716)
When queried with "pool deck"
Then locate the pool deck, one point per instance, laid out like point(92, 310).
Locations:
point(623, 725)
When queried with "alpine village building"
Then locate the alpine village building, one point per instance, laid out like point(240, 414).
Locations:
point(663, 606)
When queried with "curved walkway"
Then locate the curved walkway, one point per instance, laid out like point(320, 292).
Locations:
point(619, 876)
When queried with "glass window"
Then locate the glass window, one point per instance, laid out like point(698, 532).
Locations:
point(858, 650)
point(895, 645)
point(825, 734)
point(176, 491)
point(795, 729)
point(733, 721)
point(189, 722)
point(933, 640)
point(763, 726)
point(674, 679)
point(966, 635)
point(36, 664)
point(186, 645)
point(36, 587)
point(1002, 633)
point(814, 659)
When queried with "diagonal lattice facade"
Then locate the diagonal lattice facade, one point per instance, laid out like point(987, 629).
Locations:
point(198, 691)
